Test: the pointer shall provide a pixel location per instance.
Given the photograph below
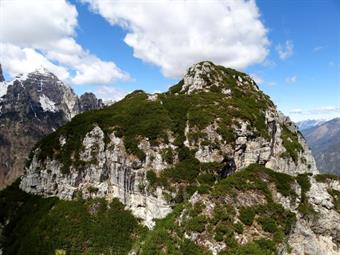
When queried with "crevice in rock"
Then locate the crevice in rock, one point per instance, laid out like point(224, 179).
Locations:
point(228, 168)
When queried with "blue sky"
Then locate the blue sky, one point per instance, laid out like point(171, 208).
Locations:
point(292, 49)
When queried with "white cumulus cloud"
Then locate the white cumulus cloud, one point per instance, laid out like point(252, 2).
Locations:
point(42, 33)
point(175, 34)
point(285, 51)
point(110, 93)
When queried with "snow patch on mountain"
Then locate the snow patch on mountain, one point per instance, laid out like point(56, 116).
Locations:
point(47, 104)
point(3, 88)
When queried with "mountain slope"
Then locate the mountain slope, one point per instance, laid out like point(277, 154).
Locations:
point(31, 106)
point(324, 141)
point(192, 164)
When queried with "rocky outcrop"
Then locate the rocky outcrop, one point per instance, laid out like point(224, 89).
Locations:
point(88, 101)
point(31, 106)
point(109, 171)
point(319, 233)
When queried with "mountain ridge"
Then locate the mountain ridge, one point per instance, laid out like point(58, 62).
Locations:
point(186, 172)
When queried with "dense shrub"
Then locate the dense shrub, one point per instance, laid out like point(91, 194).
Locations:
point(247, 215)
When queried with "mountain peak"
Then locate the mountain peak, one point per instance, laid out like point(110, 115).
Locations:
point(206, 76)
point(42, 70)
point(201, 76)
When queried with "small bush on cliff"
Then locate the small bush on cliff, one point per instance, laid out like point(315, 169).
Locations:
point(291, 143)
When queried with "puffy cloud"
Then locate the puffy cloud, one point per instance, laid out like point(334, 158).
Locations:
point(110, 93)
point(44, 36)
point(20, 60)
point(291, 79)
point(175, 34)
point(29, 23)
point(285, 51)
point(94, 71)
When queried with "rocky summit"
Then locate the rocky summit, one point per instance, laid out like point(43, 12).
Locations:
point(209, 167)
point(31, 106)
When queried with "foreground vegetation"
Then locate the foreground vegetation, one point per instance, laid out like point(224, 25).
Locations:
point(48, 225)
point(52, 226)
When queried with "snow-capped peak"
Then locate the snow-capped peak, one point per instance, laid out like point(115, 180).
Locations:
point(42, 70)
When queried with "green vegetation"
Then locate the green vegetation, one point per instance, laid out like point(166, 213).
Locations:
point(254, 177)
point(95, 226)
point(326, 177)
point(247, 215)
point(291, 143)
point(336, 198)
point(151, 177)
point(239, 228)
point(167, 238)
point(268, 224)
point(168, 155)
point(51, 226)
point(219, 225)
point(305, 207)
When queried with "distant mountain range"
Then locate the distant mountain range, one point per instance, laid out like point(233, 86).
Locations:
point(306, 124)
point(324, 139)
point(31, 106)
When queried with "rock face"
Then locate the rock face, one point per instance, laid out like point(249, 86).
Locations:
point(88, 101)
point(214, 115)
point(31, 106)
point(321, 234)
